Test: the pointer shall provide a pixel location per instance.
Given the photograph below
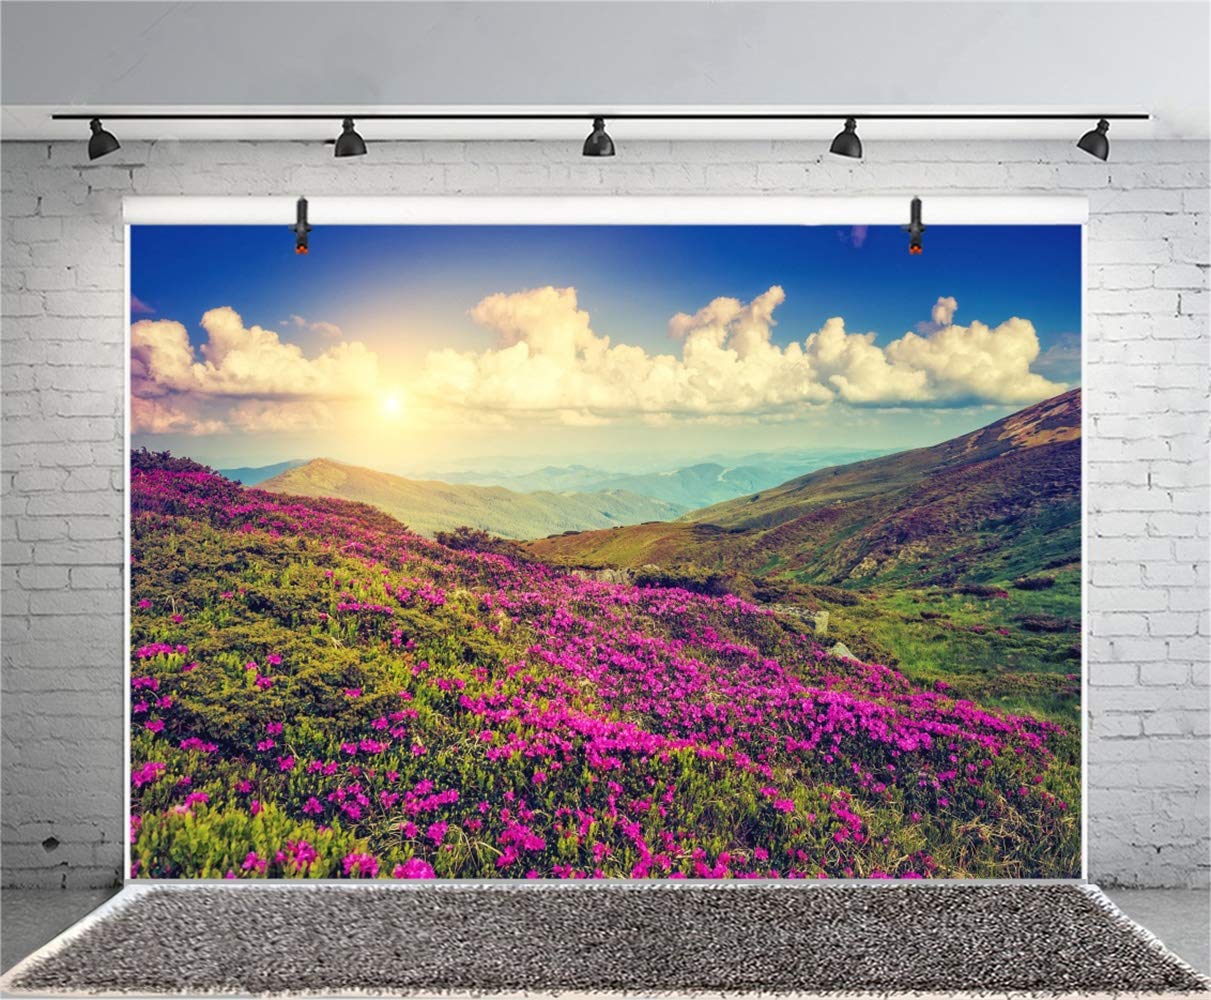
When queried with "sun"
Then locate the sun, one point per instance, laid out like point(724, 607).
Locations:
point(392, 405)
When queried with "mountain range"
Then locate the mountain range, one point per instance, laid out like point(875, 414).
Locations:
point(998, 502)
point(428, 507)
point(249, 475)
point(710, 481)
point(959, 564)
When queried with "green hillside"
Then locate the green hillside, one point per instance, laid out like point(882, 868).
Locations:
point(963, 557)
point(317, 693)
point(430, 507)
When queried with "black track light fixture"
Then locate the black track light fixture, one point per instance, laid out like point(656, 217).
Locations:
point(915, 227)
point(847, 142)
point(1094, 142)
point(100, 142)
point(349, 143)
point(599, 142)
point(301, 227)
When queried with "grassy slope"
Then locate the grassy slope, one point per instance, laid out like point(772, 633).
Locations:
point(429, 507)
point(877, 543)
point(398, 673)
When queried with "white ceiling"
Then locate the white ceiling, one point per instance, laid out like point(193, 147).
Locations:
point(842, 55)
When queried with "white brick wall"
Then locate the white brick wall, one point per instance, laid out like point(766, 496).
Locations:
point(1146, 393)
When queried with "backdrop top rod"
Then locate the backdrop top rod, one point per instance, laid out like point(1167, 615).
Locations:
point(587, 115)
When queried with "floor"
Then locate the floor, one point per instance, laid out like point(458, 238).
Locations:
point(31, 917)
point(1181, 918)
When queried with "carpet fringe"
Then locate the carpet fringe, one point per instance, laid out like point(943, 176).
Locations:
point(122, 901)
point(1105, 903)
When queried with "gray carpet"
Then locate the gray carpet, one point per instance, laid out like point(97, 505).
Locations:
point(1042, 940)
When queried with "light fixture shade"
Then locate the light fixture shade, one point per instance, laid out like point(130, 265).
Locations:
point(349, 143)
point(1094, 142)
point(599, 142)
point(847, 142)
point(100, 142)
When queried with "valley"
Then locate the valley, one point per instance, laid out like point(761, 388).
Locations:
point(429, 507)
point(711, 480)
point(958, 562)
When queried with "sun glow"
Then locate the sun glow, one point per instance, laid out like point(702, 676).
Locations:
point(392, 405)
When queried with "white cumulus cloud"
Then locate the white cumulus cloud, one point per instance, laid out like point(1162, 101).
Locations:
point(549, 360)
point(977, 363)
point(944, 310)
point(243, 377)
point(316, 326)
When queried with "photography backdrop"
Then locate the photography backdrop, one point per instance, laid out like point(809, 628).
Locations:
point(671, 550)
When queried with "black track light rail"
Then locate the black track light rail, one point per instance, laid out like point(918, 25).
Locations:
point(677, 116)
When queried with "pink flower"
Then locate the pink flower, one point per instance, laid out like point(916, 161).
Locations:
point(353, 692)
point(437, 832)
point(254, 807)
point(254, 863)
point(413, 868)
point(155, 725)
point(286, 763)
point(273, 728)
point(313, 807)
point(144, 604)
point(298, 855)
point(191, 800)
point(358, 865)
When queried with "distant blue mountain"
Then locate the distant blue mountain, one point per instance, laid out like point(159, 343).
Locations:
point(252, 475)
point(689, 487)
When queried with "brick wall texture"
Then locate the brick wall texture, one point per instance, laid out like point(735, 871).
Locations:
point(1146, 396)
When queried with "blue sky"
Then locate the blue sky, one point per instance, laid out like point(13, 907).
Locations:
point(406, 294)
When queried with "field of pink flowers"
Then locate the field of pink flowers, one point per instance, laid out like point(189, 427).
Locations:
point(318, 693)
